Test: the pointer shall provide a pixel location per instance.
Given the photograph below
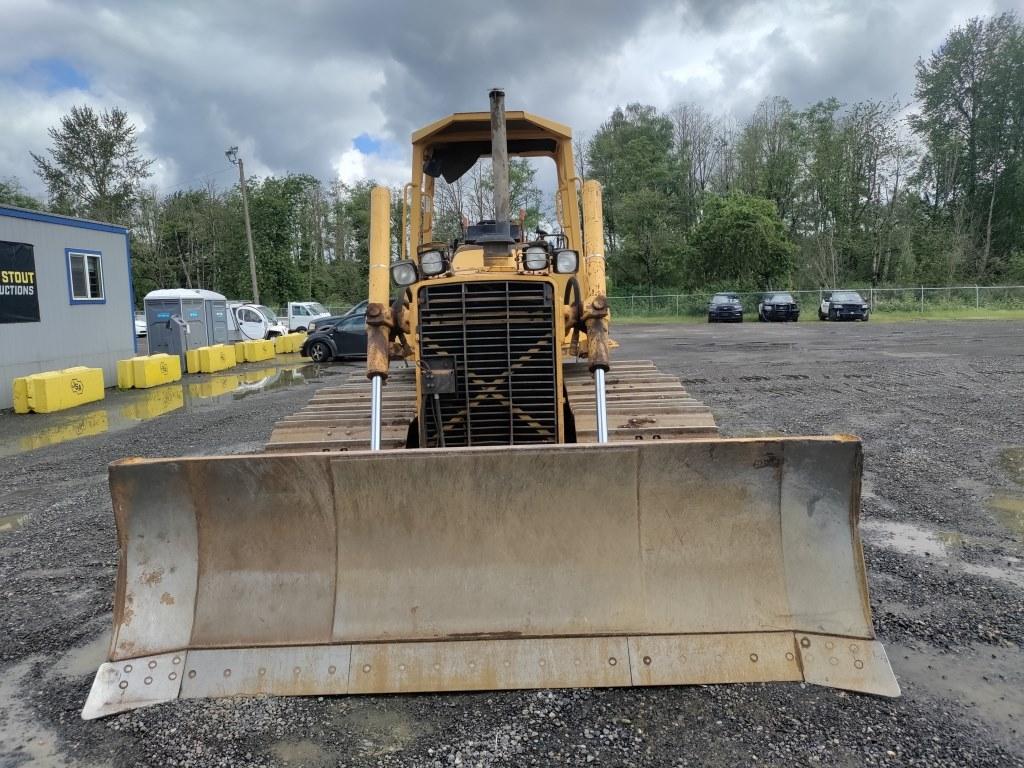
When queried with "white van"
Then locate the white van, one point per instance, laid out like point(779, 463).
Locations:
point(302, 313)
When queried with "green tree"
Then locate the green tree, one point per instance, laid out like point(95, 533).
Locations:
point(94, 167)
point(12, 193)
point(741, 243)
point(970, 119)
point(767, 154)
point(647, 205)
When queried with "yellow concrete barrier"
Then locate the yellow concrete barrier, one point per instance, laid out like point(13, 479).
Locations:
point(154, 370)
point(239, 351)
point(58, 390)
point(255, 351)
point(192, 360)
point(126, 373)
point(217, 357)
point(21, 395)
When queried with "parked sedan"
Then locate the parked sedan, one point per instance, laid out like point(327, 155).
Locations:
point(725, 308)
point(336, 337)
point(358, 309)
point(843, 305)
point(778, 306)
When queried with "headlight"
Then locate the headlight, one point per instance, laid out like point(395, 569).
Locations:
point(404, 272)
point(567, 262)
point(432, 263)
point(535, 258)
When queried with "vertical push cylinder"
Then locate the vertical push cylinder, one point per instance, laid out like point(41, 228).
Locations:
point(378, 313)
point(380, 245)
point(602, 406)
point(593, 240)
point(375, 402)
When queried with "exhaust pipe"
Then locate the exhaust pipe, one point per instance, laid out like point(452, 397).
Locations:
point(496, 246)
point(499, 161)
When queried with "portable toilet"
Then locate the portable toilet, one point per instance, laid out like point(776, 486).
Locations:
point(180, 319)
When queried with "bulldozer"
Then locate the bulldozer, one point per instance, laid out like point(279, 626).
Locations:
point(496, 503)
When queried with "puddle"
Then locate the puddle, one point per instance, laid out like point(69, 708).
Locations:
point(22, 737)
point(84, 660)
point(125, 409)
point(385, 730)
point(985, 680)
point(938, 546)
point(1012, 460)
point(908, 538)
point(1010, 511)
point(10, 523)
point(304, 753)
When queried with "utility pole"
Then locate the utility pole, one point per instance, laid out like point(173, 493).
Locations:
point(232, 156)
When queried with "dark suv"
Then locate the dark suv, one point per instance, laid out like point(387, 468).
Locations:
point(843, 305)
point(778, 306)
point(725, 308)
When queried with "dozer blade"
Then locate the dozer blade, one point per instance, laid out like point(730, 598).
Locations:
point(647, 563)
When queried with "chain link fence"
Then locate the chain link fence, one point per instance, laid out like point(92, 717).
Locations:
point(918, 299)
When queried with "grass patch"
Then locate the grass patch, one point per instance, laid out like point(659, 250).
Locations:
point(908, 316)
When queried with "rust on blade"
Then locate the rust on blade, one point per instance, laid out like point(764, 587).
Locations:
point(697, 555)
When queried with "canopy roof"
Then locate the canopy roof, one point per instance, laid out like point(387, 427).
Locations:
point(453, 144)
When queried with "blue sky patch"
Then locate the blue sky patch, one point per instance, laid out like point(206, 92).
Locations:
point(52, 75)
point(366, 144)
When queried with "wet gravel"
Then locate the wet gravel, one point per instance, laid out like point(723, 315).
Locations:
point(936, 405)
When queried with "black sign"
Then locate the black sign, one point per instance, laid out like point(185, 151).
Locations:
point(19, 290)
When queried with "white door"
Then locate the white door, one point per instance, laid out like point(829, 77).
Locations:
point(251, 324)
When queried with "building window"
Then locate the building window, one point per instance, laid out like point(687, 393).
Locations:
point(85, 276)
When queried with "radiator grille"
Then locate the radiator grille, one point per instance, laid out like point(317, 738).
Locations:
point(501, 337)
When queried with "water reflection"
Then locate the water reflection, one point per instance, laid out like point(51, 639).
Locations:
point(124, 409)
point(10, 523)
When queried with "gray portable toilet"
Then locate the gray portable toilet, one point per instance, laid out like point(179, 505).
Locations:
point(217, 321)
point(180, 319)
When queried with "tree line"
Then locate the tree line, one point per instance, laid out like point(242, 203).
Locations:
point(871, 193)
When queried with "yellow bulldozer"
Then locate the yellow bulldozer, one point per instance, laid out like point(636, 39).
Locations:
point(501, 505)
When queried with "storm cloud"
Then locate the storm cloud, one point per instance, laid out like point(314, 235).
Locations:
point(336, 88)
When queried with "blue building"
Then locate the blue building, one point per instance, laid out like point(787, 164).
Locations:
point(66, 295)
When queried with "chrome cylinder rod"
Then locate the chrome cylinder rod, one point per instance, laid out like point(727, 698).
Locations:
point(375, 396)
point(602, 406)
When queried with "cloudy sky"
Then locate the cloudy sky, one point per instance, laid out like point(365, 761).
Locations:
point(335, 88)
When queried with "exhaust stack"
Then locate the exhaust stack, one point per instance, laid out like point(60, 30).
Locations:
point(497, 245)
point(499, 160)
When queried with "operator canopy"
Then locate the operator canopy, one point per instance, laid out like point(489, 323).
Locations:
point(453, 145)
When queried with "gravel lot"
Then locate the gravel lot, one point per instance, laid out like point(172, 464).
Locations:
point(939, 407)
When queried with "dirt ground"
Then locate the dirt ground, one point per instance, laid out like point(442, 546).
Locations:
point(939, 406)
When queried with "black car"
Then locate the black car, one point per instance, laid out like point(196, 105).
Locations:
point(358, 309)
point(843, 305)
point(778, 306)
point(343, 337)
point(725, 308)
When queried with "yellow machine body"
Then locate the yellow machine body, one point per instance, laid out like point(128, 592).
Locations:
point(507, 508)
